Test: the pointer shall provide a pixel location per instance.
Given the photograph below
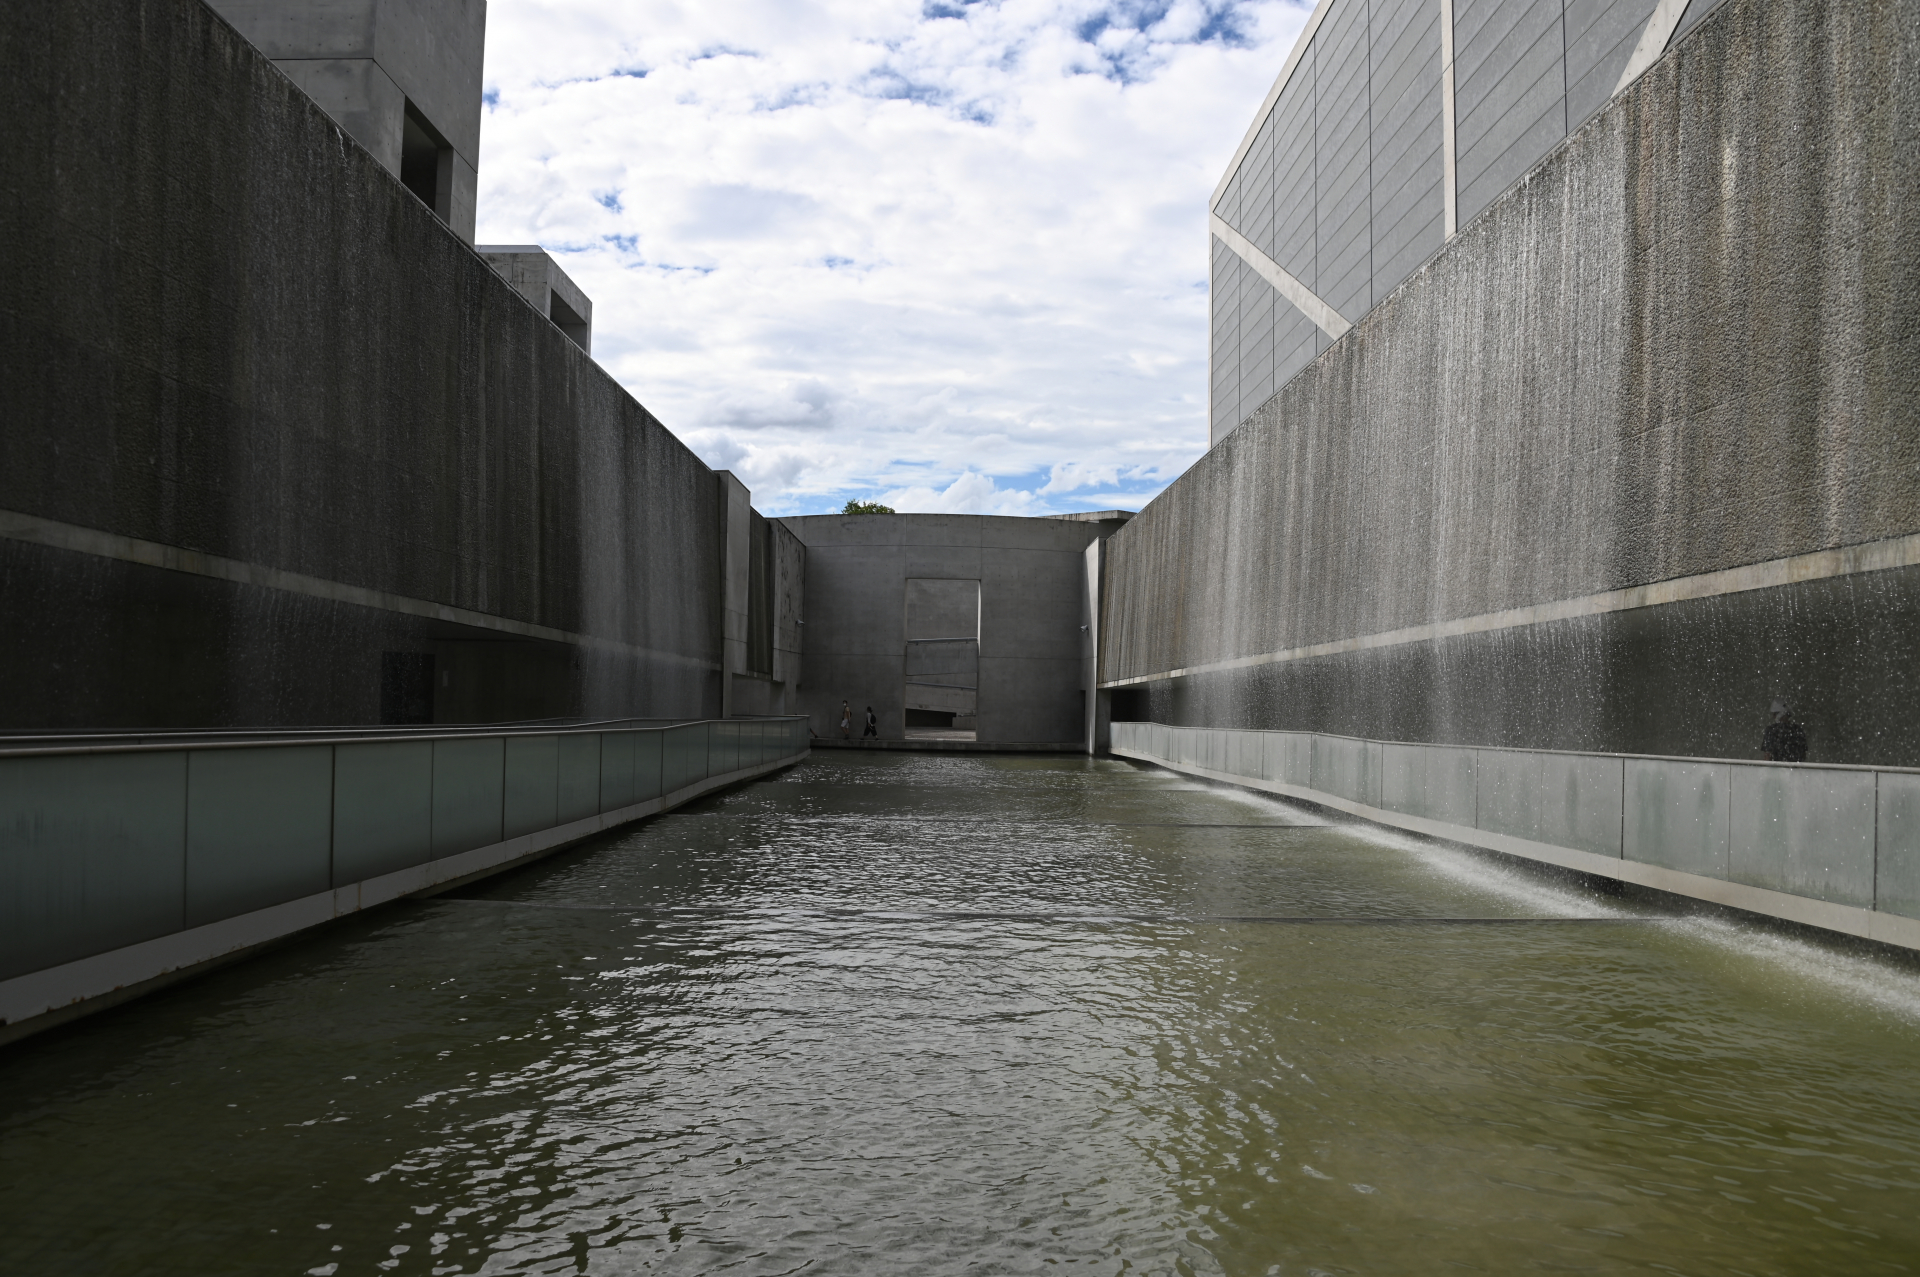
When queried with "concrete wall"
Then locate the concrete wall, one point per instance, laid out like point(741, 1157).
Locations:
point(548, 289)
point(1832, 847)
point(269, 421)
point(1032, 583)
point(1630, 458)
point(123, 863)
point(365, 61)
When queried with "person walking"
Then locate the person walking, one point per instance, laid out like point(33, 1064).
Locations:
point(1784, 741)
point(846, 721)
point(873, 726)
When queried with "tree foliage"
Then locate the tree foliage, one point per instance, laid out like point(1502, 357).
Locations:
point(867, 507)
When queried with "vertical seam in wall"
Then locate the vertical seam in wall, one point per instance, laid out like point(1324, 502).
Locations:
point(186, 829)
point(1623, 808)
point(1726, 847)
point(1565, 119)
point(1475, 755)
point(1370, 227)
point(1873, 896)
point(333, 825)
point(1449, 181)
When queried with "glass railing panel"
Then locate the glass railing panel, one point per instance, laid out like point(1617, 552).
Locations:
point(382, 808)
point(532, 784)
point(468, 793)
point(579, 777)
point(93, 854)
point(259, 828)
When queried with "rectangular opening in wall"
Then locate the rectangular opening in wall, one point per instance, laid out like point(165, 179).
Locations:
point(577, 329)
point(406, 688)
point(426, 164)
point(759, 594)
point(941, 696)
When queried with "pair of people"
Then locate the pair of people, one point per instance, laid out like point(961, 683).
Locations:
point(846, 723)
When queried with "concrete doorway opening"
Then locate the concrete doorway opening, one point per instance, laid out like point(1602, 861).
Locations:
point(942, 659)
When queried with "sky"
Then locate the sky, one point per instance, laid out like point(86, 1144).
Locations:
point(950, 255)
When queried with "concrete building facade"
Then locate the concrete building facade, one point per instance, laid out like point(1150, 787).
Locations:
point(548, 289)
point(402, 77)
point(279, 449)
point(1392, 124)
point(937, 619)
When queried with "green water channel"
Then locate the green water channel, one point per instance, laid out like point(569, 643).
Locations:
point(921, 1014)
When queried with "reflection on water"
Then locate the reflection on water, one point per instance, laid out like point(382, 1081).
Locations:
point(887, 1014)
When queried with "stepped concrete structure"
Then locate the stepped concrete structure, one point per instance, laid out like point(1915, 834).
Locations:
point(402, 77)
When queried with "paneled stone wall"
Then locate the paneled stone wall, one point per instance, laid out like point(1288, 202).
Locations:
point(1344, 181)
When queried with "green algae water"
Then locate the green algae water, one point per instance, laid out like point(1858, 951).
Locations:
point(924, 1014)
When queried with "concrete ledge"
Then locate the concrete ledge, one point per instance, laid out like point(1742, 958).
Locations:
point(42, 999)
point(1869, 924)
point(960, 746)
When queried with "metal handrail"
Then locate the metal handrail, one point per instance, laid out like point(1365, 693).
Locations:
point(1526, 749)
point(155, 742)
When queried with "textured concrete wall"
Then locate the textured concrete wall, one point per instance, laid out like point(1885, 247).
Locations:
point(1032, 581)
point(243, 337)
point(1689, 341)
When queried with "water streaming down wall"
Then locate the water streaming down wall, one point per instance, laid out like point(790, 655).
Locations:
point(1635, 455)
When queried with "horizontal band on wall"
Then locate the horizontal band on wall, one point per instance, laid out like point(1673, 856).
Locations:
point(1872, 556)
point(35, 530)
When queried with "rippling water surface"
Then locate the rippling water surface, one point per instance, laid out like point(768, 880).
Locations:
point(898, 1014)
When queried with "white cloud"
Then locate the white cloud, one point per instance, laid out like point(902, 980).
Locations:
point(952, 253)
point(970, 493)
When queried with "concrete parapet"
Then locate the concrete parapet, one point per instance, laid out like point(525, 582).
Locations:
point(1835, 847)
point(548, 289)
point(121, 865)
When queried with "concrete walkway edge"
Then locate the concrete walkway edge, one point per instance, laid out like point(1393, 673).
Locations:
point(1869, 924)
